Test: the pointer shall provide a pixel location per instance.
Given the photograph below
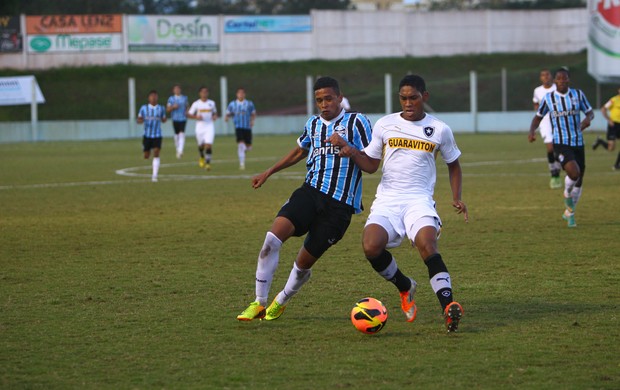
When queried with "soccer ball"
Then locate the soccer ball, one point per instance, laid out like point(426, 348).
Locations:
point(369, 315)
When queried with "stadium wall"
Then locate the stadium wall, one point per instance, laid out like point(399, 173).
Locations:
point(349, 34)
point(460, 122)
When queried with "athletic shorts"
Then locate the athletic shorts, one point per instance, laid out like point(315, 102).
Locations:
point(205, 136)
point(244, 135)
point(403, 217)
point(613, 132)
point(324, 218)
point(150, 143)
point(565, 153)
point(546, 130)
point(179, 127)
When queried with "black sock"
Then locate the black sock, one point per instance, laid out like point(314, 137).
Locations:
point(208, 153)
point(201, 151)
point(440, 279)
point(604, 143)
point(382, 265)
point(618, 160)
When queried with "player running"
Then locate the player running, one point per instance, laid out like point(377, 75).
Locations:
point(564, 107)
point(205, 113)
point(243, 113)
point(321, 207)
point(177, 107)
point(611, 112)
point(546, 132)
point(408, 141)
point(152, 115)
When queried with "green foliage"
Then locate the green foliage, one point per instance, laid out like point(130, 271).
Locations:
point(116, 282)
point(101, 92)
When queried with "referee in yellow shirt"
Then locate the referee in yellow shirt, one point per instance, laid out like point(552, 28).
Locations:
point(611, 112)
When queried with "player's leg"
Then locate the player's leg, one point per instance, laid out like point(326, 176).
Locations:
point(208, 140)
point(208, 156)
point(201, 148)
point(379, 233)
point(426, 231)
point(181, 146)
point(175, 127)
point(600, 142)
point(240, 148)
point(146, 147)
point(156, 149)
point(292, 220)
point(326, 229)
point(572, 180)
point(546, 133)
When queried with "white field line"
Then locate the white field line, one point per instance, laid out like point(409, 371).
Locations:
point(290, 175)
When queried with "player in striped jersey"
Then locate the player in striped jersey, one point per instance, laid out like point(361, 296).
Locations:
point(564, 107)
point(321, 207)
point(409, 142)
point(243, 113)
point(177, 108)
point(152, 115)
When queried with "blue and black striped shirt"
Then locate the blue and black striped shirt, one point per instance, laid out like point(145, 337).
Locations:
point(565, 115)
point(331, 174)
point(152, 116)
point(241, 113)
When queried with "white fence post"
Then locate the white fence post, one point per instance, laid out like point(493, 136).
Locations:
point(388, 93)
point(223, 101)
point(34, 114)
point(473, 98)
point(131, 86)
point(504, 90)
point(309, 96)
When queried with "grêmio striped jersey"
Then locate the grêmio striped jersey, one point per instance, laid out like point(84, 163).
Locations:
point(329, 173)
point(152, 119)
point(565, 115)
point(241, 113)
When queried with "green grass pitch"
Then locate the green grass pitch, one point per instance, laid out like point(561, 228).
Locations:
point(111, 281)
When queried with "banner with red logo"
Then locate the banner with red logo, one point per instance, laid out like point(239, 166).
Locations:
point(604, 40)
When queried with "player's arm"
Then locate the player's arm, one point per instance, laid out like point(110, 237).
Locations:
point(361, 159)
point(456, 184)
point(140, 118)
point(292, 158)
point(585, 123)
point(252, 118)
point(533, 126)
point(605, 112)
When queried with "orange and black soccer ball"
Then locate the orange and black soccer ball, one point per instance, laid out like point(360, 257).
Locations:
point(369, 315)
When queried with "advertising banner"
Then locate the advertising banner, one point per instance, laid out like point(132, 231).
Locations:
point(74, 24)
point(78, 43)
point(604, 40)
point(18, 90)
point(10, 34)
point(173, 33)
point(268, 24)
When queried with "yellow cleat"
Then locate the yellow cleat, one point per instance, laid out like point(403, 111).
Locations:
point(254, 311)
point(274, 311)
point(201, 162)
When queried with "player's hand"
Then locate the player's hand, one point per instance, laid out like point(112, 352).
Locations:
point(259, 180)
point(585, 123)
point(531, 137)
point(337, 140)
point(461, 208)
point(348, 151)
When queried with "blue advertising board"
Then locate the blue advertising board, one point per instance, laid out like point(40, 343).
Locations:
point(267, 24)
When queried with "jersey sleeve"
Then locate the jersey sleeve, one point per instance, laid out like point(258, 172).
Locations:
point(305, 141)
point(543, 109)
point(170, 101)
point(163, 112)
point(192, 109)
point(252, 108)
point(214, 108)
point(535, 98)
point(230, 108)
point(584, 104)
point(364, 132)
point(142, 112)
point(375, 147)
point(448, 149)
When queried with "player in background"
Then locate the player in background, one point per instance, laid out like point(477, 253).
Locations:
point(205, 113)
point(345, 104)
point(152, 115)
point(546, 132)
point(243, 113)
point(611, 112)
point(408, 142)
point(564, 107)
point(177, 108)
point(321, 208)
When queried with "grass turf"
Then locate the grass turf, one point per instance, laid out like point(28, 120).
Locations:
point(109, 281)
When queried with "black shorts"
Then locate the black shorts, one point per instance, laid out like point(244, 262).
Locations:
point(613, 132)
point(324, 218)
point(151, 143)
point(565, 153)
point(244, 135)
point(179, 127)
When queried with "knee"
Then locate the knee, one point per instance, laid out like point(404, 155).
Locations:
point(372, 248)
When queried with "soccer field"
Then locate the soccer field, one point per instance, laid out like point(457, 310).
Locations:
point(110, 281)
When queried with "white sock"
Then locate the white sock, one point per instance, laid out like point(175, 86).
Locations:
point(155, 166)
point(266, 267)
point(176, 141)
point(297, 278)
point(208, 158)
point(181, 145)
point(569, 184)
point(575, 194)
point(241, 152)
point(440, 281)
point(557, 166)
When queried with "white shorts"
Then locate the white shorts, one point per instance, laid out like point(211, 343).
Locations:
point(205, 135)
point(546, 131)
point(400, 217)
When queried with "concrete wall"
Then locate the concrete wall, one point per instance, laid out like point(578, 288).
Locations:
point(363, 34)
point(460, 122)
